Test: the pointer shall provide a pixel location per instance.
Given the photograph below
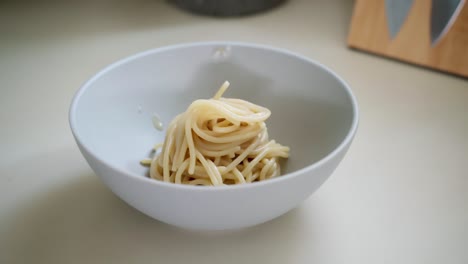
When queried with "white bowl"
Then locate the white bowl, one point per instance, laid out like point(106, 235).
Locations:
point(313, 112)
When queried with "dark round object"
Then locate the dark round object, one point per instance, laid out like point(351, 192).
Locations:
point(223, 8)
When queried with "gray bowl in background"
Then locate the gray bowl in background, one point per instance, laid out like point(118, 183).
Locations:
point(223, 8)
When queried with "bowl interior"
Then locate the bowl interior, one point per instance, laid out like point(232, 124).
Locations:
point(312, 112)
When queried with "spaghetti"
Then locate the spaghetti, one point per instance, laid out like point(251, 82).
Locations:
point(218, 141)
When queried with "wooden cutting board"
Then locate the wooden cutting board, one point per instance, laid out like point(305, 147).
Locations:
point(369, 32)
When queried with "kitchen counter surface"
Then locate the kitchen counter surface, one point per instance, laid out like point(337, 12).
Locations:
point(399, 196)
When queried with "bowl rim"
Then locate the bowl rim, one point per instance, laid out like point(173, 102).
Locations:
point(338, 149)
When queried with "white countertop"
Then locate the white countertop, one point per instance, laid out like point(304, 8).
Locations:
point(399, 196)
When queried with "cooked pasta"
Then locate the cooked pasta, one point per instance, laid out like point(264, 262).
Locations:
point(218, 141)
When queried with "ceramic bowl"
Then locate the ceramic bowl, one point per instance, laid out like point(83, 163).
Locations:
point(313, 112)
point(224, 8)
